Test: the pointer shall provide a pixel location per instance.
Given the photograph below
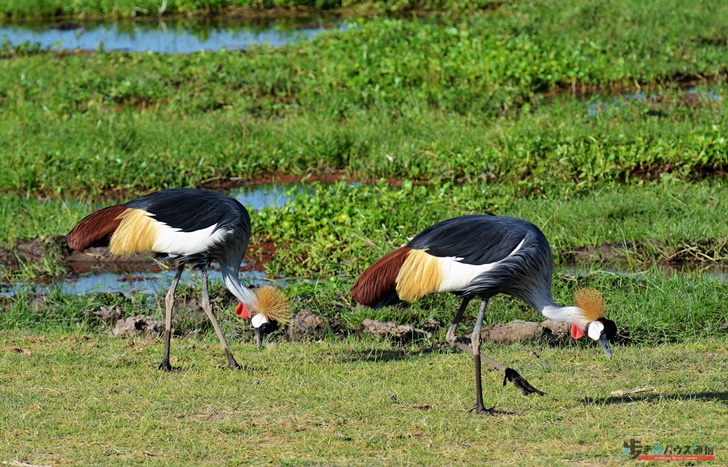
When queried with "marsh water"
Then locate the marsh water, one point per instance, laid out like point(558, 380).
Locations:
point(170, 36)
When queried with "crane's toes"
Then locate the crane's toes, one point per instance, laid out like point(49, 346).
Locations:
point(164, 365)
point(482, 410)
point(520, 382)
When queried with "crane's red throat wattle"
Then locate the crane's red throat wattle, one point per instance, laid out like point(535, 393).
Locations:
point(576, 332)
point(243, 311)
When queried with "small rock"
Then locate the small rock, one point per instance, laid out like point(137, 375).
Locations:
point(137, 325)
point(512, 332)
point(559, 331)
point(194, 334)
point(432, 324)
point(37, 304)
point(108, 314)
point(307, 325)
point(402, 333)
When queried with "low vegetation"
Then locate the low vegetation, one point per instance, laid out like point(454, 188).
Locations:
point(443, 98)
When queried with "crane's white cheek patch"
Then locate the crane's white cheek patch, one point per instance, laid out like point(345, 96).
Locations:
point(457, 275)
point(595, 330)
point(258, 320)
point(173, 241)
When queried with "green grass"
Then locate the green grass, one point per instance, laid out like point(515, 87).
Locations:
point(91, 399)
point(19, 9)
point(342, 229)
point(444, 98)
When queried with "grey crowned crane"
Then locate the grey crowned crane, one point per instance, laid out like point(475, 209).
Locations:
point(193, 227)
point(481, 256)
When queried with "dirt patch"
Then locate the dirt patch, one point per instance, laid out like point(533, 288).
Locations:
point(137, 326)
point(100, 259)
point(307, 325)
point(520, 331)
point(34, 251)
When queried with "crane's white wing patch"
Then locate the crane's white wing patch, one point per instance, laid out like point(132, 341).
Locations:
point(457, 275)
point(173, 241)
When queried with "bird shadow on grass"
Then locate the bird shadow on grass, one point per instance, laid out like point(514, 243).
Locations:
point(388, 355)
point(721, 396)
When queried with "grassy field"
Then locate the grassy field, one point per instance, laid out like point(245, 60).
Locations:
point(445, 98)
point(603, 123)
point(71, 399)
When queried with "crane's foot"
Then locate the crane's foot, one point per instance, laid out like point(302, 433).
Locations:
point(232, 364)
point(164, 365)
point(520, 382)
point(482, 410)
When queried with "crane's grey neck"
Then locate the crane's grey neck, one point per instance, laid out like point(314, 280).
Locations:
point(544, 304)
point(538, 294)
point(232, 282)
point(566, 314)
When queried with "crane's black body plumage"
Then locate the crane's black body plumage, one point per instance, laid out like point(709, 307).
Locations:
point(487, 239)
point(477, 239)
point(517, 249)
point(189, 210)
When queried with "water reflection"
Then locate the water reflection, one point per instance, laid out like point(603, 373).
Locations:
point(268, 196)
point(151, 284)
point(165, 37)
point(598, 104)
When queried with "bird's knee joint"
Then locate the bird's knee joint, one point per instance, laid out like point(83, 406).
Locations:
point(451, 337)
point(475, 341)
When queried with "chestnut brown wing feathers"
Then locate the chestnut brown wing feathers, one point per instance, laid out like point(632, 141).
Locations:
point(376, 286)
point(95, 229)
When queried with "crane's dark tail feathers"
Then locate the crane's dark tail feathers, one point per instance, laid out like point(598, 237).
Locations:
point(95, 229)
point(376, 286)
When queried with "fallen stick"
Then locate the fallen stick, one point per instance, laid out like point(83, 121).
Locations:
point(623, 392)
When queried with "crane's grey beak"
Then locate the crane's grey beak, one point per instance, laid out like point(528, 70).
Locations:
point(604, 342)
point(259, 337)
point(259, 322)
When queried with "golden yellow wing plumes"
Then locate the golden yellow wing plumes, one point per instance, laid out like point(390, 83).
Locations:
point(591, 301)
point(273, 304)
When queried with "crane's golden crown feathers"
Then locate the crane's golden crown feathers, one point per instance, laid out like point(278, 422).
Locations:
point(273, 304)
point(591, 301)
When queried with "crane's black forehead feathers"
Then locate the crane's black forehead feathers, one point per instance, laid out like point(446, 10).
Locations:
point(477, 239)
point(190, 210)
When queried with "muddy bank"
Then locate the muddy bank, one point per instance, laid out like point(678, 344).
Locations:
point(98, 259)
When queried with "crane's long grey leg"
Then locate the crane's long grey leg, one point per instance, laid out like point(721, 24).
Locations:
point(509, 373)
point(168, 305)
point(452, 336)
point(211, 314)
point(475, 340)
